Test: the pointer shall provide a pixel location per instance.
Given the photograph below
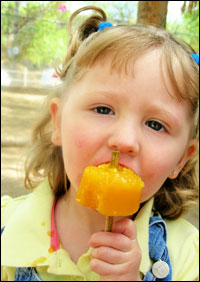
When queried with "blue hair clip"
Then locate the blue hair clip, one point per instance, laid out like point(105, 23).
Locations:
point(195, 57)
point(104, 25)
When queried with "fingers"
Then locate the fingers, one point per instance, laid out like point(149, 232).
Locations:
point(126, 271)
point(105, 269)
point(121, 238)
point(116, 255)
point(126, 227)
point(110, 255)
point(108, 239)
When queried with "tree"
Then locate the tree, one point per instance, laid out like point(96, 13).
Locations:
point(36, 29)
point(188, 28)
point(118, 12)
point(190, 8)
point(152, 12)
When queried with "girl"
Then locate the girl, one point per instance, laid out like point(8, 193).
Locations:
point(134, 88)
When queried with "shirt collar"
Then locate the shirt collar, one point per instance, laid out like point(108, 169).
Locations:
point(26, 239)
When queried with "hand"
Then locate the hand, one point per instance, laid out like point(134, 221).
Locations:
point(116, 255)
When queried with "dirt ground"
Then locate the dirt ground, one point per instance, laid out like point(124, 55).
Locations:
point(18, 114)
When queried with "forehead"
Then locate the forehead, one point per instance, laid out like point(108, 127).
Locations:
point(145, 68)
point(143, 73)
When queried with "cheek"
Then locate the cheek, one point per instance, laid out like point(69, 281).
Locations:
point(73, 147)
point(78, 151)
point(82, 142)
point(153, 180)
point(155, 174)
point(79, 142)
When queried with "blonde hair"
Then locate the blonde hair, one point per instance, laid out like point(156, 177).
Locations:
point(120, 43)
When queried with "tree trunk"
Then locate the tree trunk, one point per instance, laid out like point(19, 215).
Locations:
point(152, 13)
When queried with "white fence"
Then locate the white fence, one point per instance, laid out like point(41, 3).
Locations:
point(28, 78)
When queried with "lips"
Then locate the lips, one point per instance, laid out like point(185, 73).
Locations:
point(102, 163)
point(120, 163)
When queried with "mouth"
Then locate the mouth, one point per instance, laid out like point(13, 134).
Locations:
point(102, 163)
point(121, 164)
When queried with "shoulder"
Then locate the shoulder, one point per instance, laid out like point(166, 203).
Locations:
point(183, 246)
point(9, 205)
point(180, 229)
point(27, 222)
point(180, 232)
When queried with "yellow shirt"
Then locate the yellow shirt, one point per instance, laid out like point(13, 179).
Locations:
point(26, 242)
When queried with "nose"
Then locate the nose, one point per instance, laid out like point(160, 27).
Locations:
point(124, 137)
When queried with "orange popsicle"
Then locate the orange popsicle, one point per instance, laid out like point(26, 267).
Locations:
point(110, 189)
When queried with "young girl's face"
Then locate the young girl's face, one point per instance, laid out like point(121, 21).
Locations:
point(137, 115)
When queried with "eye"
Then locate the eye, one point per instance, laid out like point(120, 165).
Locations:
point(155, 125)
point(103, 110)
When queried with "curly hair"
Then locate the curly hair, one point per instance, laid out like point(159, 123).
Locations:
point(120, 44)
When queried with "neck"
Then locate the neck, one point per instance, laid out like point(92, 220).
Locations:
point(74, 220)
point(73, 213)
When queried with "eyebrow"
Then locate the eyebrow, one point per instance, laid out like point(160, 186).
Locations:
point(165, 113)
point(111, 94)
point(106, 93)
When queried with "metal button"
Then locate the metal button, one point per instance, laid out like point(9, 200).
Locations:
point(160, 269)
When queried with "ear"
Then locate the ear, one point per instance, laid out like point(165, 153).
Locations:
point(191, 149)
point(55, 111)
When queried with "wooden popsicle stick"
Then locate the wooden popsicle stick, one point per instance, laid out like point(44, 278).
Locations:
point(109, 223)
point(115, 158)
point(114, 163)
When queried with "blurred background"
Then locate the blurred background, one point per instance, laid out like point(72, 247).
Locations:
point(33, 42)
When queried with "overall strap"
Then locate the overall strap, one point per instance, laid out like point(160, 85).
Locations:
point(26, 274)
point(2, 229)
point(158, 252)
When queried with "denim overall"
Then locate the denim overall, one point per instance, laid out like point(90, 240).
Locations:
point(157, 251)
point(157, 246)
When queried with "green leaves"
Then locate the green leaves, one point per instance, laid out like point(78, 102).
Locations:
point(188, 28)
point(37, 28)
